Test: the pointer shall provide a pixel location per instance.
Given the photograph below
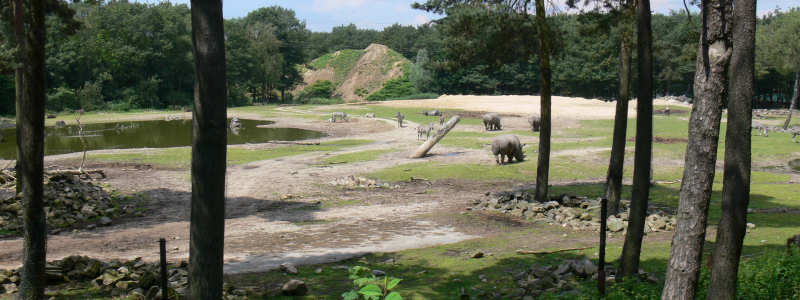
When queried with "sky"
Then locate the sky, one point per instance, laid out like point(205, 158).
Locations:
point(322, 15)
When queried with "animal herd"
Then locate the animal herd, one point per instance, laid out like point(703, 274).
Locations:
point(764, 130)
point(505, 148)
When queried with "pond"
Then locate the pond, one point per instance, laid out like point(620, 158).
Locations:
point(145, 134)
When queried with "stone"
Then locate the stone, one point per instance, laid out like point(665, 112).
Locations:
point(9, 288)
point(751, 226)
point(562, 269)
point(378, 273)
point(318, 270)
point(294, 287)
point(477, 254)
point(125, 284)
point(105, 221)
point(615, 224)
point(109, 278)
point(586, 216)
point(288, 268)
point(660, 224)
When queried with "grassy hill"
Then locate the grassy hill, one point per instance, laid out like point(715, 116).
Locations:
point(357, 74)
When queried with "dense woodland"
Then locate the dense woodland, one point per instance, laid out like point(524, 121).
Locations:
point(135, 55)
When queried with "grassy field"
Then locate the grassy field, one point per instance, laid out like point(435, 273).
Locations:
point(181, 157)
point(446, 272)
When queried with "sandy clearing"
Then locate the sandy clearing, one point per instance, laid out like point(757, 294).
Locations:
point(572, 108)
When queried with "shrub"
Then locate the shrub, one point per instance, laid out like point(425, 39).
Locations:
point(370, 287)
point(62, 98)
point(319, 89)
point(90, 96)
point(395, 88)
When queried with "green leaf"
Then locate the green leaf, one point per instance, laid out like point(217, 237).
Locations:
point(393, 283)
point(393, 296)
point(362, 282)
point(351, 295)
point(371, 290)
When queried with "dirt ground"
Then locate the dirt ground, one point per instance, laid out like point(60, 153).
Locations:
point(285, 210)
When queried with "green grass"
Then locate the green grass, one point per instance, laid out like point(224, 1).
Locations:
point(181, 157)
point(341, 63)
point(359, 156)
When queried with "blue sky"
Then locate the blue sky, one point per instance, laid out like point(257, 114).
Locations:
point(322, 15)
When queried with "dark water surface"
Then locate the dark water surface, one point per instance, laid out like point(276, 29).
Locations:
point(145, 134)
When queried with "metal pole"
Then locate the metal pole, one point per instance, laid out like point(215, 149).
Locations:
point(601, 271)
point(162, 245)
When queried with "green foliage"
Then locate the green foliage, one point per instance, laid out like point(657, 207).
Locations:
point(62, 98)
point(394, 88)
point(370, 287)
point(320, 89)
point(91, 96)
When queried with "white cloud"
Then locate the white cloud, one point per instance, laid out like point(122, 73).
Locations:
point(333, 5)
point(421, 19)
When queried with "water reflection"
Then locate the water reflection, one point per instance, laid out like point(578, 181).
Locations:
point(146, 134)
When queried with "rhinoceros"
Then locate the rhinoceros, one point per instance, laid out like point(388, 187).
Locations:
point(491, 121)
point(434, 112)
point(536, 122)
point(507, 145)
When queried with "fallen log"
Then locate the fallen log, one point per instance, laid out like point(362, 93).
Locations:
point(425, 147)
point(524, 252)
point(78, 172)
point(291, 143)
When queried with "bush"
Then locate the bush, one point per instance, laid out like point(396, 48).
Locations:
point(322, 101)
point(394, 88)
point(62, 98)
point(319, 89)
point(90, 96)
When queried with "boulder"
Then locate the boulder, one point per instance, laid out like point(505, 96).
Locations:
point(294, 287)
point(615, 224)
point(288, 268)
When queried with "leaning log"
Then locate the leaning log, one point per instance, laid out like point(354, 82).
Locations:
point(425, 147)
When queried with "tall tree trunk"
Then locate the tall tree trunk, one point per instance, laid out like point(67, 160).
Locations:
point(644, 144)
point(209, 142)
point(792, 104)
point(736, 179)
point(19, 37)
point(615, 165)
point(701, 151)
point(543, 167)
point(31, 149)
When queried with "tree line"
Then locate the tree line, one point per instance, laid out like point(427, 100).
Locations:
point(121, 55)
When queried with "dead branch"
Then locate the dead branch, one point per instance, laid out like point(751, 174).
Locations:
point(523, 252)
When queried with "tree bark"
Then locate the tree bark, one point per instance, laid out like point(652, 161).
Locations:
point(19, 37)
point(793, 103)
point(632, 248)
point(209, 142)
point(701, 151)
point(615, 165)
point(425, 147)
point(736, 177)
point(31, 149)
point(543, 166)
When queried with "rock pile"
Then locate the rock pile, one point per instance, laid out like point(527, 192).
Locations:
point(358, 182)
point(563, 278)
point(577, 213)
point(132, 278)
point(69, 202)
